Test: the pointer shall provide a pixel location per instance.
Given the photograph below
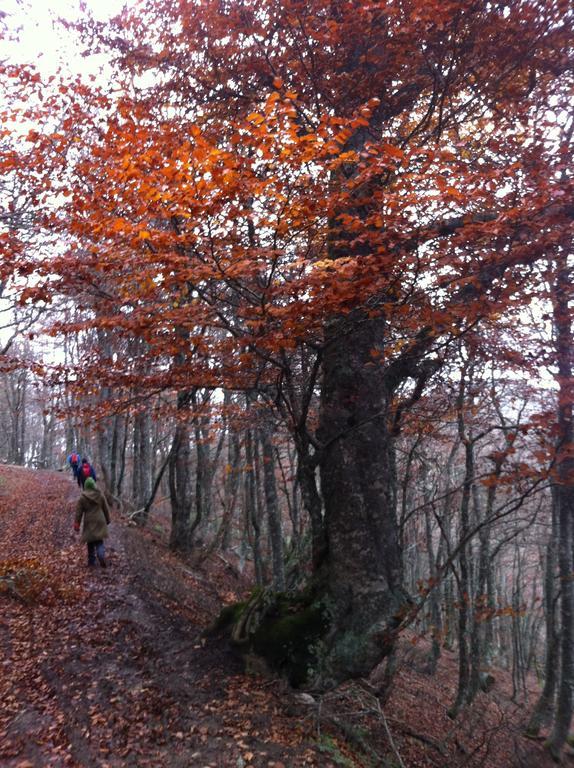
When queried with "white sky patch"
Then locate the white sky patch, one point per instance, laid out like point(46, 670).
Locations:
point(36, 37)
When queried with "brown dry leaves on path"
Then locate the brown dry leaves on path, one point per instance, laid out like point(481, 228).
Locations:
point(107, 667)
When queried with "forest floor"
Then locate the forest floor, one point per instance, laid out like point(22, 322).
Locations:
point(110, 668)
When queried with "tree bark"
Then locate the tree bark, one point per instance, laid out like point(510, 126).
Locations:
point(180, 480)
point(273, 511)
point(544, 709)
point(142, 472)
point(313, 504)
point(252, 521)
point(463, 582)
point(231, 486)
point(104, 427)
point(434, 596)
point(359, 490)
point(564, 492)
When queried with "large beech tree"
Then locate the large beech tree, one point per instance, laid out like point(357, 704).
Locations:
point(300, 198)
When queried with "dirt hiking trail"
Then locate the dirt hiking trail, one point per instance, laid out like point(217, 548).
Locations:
point(108, 667)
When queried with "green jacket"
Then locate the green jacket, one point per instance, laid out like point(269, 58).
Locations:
point(94, 511)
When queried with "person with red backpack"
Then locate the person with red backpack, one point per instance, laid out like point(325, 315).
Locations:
point(74, 462)
point(85, 470)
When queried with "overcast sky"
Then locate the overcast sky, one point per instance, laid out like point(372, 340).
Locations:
point(42, 40)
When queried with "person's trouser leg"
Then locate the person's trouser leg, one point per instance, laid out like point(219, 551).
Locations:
point(101, 553)
point(91, 552)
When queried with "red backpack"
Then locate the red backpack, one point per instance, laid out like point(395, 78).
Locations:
point(86, 471)
point(74, 459)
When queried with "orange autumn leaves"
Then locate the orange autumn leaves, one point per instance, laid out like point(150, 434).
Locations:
point(284, 166)
point(183, 220)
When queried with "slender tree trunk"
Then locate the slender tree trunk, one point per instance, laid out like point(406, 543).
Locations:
point(518, 655)
point(273, 511)
point(231, 486)
point(45, 458)
point(202, 478)
point(434, 596)
point(543, 711)
point(142, 472)
point(70, 431)
point(252, 518)
point(224, 536)
point(136, 459)
point(476, 645)
point(104, 427)
point(15, 394)
point(307, 479)
point(180, 479)
point(444, 548)
point(22, 425)
point(464, 586)
point(115, 452)
point(450, 613)
point(481, 641)
point(288, 488)
point(207, 459)
point(122, 454)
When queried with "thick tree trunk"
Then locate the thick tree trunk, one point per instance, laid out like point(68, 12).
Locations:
point(359, 490)
point(564, 494)
point(563, 716)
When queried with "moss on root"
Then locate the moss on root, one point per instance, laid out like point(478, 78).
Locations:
point(284, 630)
point(228, 616)
point(289, 637)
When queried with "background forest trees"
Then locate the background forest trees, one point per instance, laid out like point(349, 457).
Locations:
point(311, 267)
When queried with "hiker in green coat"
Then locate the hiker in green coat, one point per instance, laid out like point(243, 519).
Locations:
point(93, 509)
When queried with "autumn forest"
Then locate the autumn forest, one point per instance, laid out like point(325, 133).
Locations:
point(296, 278)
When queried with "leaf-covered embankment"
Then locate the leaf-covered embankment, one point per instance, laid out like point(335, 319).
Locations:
point(107, 667)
